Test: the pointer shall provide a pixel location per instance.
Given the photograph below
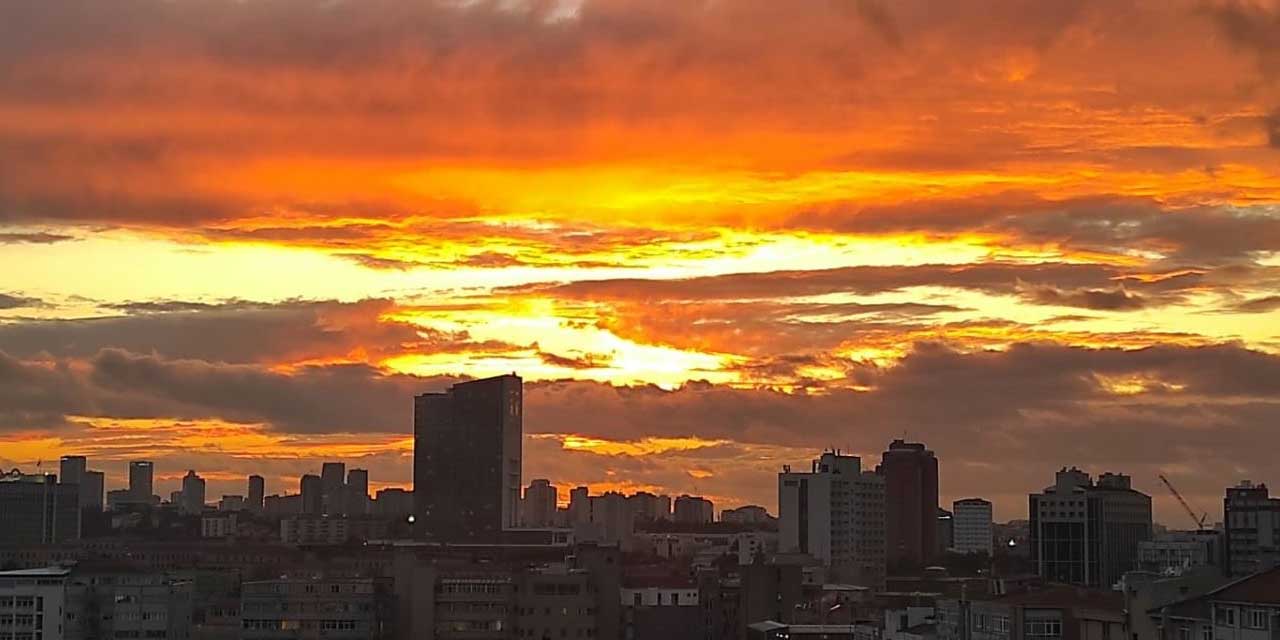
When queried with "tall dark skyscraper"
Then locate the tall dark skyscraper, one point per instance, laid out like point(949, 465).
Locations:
point(257, 489)
point(467, 459)
point(71, 469)
point(357, 494)
point(333, 484)
point(312, 490)
point(911, 503)
point(141, 476)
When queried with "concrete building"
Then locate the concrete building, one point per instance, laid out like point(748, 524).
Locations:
point(971, 519)
point(130, 604)
point(33, 604)
point(91, 490)
point(467, 460)
point(1244, 609)
point(220, 525)
point(231, 503)
point(1055, 612)
point(749, 515)
point(661, 607)
point(946, 531)
point(648, 507)
point(910, 472)
point(142, 481)
point(1177, 552)
point(538, 507)
point(1251, 518)
point(314, 530)
point(311, 488)
point(556, 601)
point(357, 493)
point(694, 510)
point(333, 487)
point(257, 492)
point(286, 505)
point(1087, 534)
point(193, 493)
point(311, 609)
point(36, 509)
point(579, 505)
point(610, 520)
point(71, 469)
point(393, 503)
point(835, 513)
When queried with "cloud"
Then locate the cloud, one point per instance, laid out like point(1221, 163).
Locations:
point(1117, 299)
point(1265, 304)
point(33, 238)
point(8, 301)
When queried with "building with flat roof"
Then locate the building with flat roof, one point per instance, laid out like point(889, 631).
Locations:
point(142, 481)
point(835, 513)
point(910, 472)
point(1086, 533)
point(971, 526)
point(467, 460)
point(1251, 519)
point(36, 509)
point(311, 609)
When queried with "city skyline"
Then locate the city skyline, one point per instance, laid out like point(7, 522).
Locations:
point(712, 237)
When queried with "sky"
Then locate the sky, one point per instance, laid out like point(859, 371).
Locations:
point(713, 236)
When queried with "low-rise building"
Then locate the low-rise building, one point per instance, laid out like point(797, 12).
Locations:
point(32, 604)
point(305, 609)
point(221, 525)
point(1057, 611)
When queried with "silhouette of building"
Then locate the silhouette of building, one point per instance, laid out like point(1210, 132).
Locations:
point(467, 459)
point(1251, 518)
point(973, 529)
point(579, 505)
point(911, 502)
point(311, 487)
point(750, 514)
point(333, 487)
point(694, 510)
point(357, 493)
point(257, 491)
point(91, 490)
point(71, 469)
point(835, 513)
point(36, 509)
point(141, 477)
point(193, 489)
point(539, 505)
point(1087, 534)
point(393, 503)
point(946, 530)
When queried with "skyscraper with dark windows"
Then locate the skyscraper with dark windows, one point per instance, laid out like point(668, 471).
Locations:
point(910, 473)
point(141, 478)
point(257, 489)
point(357, 493)
point(312, 490)
point(467, 459)
point(333, 486)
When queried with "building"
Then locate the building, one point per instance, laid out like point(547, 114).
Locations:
point(286, 505)
point(1251, 518)
point(1177, 552)
point(611, 520)
point(393, 503)
point(141, 481)
point(910, 474)
point(357, 493)
point(314, 530)
point(664, 607)
point(193, 489)
point(310, 609)
point(219, 525)
point(333, 487)
point(1053, 612)
point(32, 604)
point(1087, 534)
point(1244, 609)
point(835, 513)
point(946, 531)
point(694, 510)
point(91, 490)
point(749, 515)
point(650, 508)
point(36, 509)
point(579, 505)
point(257, 491)
point(467, 460)
point(310, 487)
point(231, 503)
point(539, 504)
point(557, 601)
point(971, 519)
point(71, 469)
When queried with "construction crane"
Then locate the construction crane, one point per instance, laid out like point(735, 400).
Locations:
point(1199, 520)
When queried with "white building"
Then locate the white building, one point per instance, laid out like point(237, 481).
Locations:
point(971, 522)
point(32, 603)
point(835, 513)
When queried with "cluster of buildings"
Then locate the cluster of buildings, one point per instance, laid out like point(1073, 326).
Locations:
point(471, 552)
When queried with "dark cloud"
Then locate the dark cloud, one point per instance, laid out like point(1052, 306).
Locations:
point(8, 301)
point(1117, 299)
point(1265, 304)
point(33, 238)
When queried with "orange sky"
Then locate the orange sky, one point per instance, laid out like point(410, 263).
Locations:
point(714, 237)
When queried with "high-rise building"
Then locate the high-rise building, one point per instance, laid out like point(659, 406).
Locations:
point(393, 503)
point(357, 493)
point(36, 509)
point(257, 490)
point(141, 476)
point(91, 490)
point(835, 513)
point(910, 473)
point(579, 505)
point(312, 490)
point(539, 505)
point(467, 459)
point(694, 510)
point(1087, 533)
point(1251, 518)
point(971, 519)
point(71, 469)
point(193, 490)
point(333, 487)
point(946, 530)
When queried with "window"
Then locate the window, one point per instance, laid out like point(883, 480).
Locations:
point(1226, 615)
point(1206, 633)
point(1044, 628)
point(1184, 633)
point(1255, 618)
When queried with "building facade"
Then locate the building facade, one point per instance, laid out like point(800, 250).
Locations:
point(467, 460)
point(193, 493)
point(1251, 518)
point(910, 472)
point(694, 510)
point(835, 513)
point(1087, 533)
point(257, 492)
point(141, 481)
point(36, 509)
point(539, 505)
point(329, 608)
point(971, 522)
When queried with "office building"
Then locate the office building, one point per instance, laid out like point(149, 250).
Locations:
point(357, 493)
point(36, 509)
point(311, 609)
point(311, 488)
point(694, 510)
point(33, 603)
point(193, 489)
point(835, 513)
point(141, 477)
point(1087, 534)
point(971, 519)
point(539, 505)
point(91, 490)
point(1175, 553)
point(333, 487)
point(257, 491)
point(1251, 518)
point(71, 469)
point(467, 460)
point(910, 474)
